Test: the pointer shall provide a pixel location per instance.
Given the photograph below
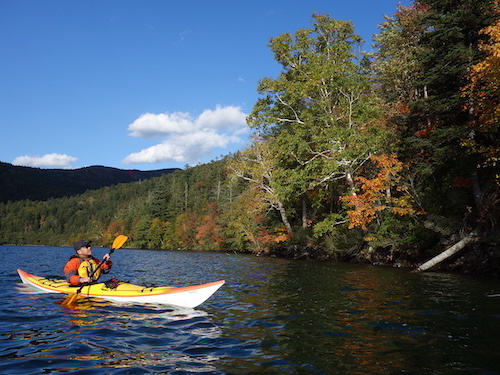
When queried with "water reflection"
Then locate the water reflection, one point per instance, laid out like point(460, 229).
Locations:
point(134, 336)
point(97, 334)
point(358, 320)
point(271, 316)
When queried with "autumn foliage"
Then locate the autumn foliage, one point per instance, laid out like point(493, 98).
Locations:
point(382, 192)
point(483, 93)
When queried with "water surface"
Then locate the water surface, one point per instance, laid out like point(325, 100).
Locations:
point(272, 316)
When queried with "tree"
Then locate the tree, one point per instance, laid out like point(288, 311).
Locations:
point(115, 228)
point(209, 231)
point(185, 229)
point(140, 237)
point(244, 224)
point(438, 119)
point(396, 62)
point(256, 165)
point(425, 51)
point(382, 192)
point(320, 117)
point(483, 95)
point(156, 233)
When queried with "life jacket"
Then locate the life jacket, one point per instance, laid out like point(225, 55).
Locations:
point(89, 267)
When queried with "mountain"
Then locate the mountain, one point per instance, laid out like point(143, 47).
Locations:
point(17, 183)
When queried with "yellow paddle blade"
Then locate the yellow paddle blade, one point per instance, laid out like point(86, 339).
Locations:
point(119, 241)
point(70, 300)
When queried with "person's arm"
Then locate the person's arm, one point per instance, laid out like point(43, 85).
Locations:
point(105, 263)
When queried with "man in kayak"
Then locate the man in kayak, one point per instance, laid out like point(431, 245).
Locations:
point(83, 267)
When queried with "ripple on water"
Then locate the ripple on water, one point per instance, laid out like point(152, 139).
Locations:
point(271, 316)
point(99, 336)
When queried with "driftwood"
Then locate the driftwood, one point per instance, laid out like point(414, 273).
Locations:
point(467, 240)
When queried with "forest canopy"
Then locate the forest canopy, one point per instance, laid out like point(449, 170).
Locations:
point(386, 157)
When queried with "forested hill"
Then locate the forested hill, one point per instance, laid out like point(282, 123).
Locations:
point(18, 183)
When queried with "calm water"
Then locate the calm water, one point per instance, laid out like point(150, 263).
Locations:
point(272, 316)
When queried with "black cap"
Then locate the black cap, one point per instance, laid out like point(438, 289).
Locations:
point(80, 244)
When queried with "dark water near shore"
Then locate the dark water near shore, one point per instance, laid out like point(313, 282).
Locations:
point(272, 316)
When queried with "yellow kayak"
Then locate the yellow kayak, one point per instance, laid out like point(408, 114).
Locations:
point(119, 291)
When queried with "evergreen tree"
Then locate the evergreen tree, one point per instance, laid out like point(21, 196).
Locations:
point(425, 52)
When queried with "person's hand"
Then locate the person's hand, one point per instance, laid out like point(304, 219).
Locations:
point(85, 280)
point(106, 257)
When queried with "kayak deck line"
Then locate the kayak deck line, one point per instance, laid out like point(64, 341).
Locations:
point(186, 296)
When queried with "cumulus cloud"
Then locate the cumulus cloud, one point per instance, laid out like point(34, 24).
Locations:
point(185, 138)
point(48, 160)
point(150, 125)
point(227, 119)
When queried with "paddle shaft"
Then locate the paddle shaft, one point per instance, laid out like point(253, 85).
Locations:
point(99, 266)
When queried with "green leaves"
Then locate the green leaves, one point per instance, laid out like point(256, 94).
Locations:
point(319, 117)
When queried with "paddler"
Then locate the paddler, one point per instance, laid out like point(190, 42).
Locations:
point(83, 267)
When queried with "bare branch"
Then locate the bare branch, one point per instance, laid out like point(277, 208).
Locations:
point(297, 119)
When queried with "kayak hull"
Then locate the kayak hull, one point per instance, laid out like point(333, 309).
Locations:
point(188, 296)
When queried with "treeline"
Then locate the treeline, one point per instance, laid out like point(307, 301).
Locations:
point(175, 211)
point(385, 157)
point(18, 183)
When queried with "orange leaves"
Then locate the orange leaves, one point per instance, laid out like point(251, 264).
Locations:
point(403, 210)
point(195, 229)
point(462, 181)
point(484, 80)
point(483, 93)
point(402, 108)
point(208, 229)
point(426, 132)
point(377, 193)
point(282, 235)
point(364, 211)
point(487, 71)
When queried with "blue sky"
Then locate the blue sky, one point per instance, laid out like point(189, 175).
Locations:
point(136, 84)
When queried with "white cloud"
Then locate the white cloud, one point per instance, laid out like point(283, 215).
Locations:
point(187, 139)
point(48, 160)
point(227, 119)
point(150, 125)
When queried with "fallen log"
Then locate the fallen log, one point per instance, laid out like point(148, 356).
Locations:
point(467, 240)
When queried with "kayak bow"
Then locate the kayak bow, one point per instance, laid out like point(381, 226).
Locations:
point(188, 296)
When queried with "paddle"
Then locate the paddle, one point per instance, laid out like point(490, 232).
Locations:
point(117, 243)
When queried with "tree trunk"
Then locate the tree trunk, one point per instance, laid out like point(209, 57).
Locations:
point(304, 212)
point(476, 189)
point(350, 182)
point(468, 239)
point(284, 218)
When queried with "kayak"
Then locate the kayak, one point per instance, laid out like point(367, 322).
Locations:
point(122, 291)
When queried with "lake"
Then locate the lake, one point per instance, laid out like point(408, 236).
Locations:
point(272, 316)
